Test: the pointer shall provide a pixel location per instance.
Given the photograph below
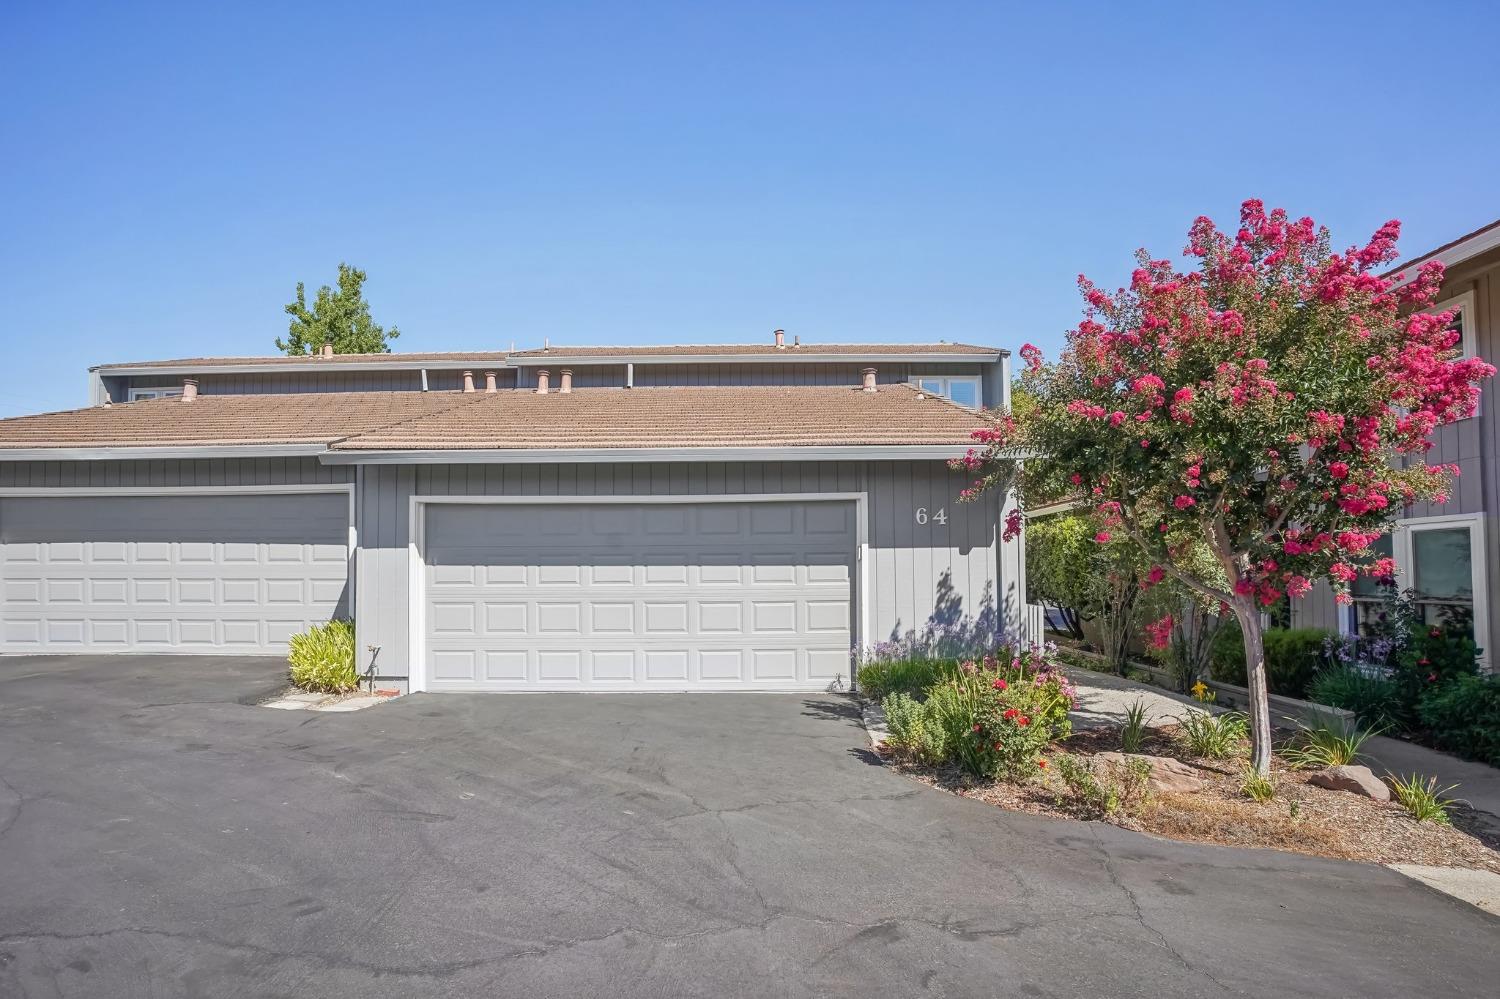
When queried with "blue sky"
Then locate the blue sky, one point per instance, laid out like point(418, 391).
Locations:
point(647, 173)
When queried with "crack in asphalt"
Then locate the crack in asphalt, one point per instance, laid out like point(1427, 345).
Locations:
point(1139, 914)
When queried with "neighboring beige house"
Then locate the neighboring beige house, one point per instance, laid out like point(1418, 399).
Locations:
point(1450, 553)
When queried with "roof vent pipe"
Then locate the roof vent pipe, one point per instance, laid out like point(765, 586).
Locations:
point(189, 389)
point(797, 340)
point(565, 384)
point(489, 381)
point(780, 339)
point(541, 381)
point(868, 375)
point(468, 381)
point(327, 348)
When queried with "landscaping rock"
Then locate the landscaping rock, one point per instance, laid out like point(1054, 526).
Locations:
point(1354, 779)
point(1167, 775)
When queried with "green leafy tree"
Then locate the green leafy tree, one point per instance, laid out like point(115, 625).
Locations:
point(340, 317)
point(1067, 569)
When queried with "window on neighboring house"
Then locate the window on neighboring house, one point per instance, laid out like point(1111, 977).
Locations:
point(1441, 561)
point(1464, 320)
point(962, 389)
point(137, 394)
point(1462, 307)
point(1368, 592)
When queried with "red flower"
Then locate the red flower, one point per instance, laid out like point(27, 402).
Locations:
point(1011, 713)
point(1023, 721)
point(976, 728)
point(1000, 684)
point(1041, 764)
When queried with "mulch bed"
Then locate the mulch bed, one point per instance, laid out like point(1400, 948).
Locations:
point(1302, 818)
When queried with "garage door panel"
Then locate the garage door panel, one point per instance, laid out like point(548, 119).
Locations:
point(170, 573)
point(656, 596)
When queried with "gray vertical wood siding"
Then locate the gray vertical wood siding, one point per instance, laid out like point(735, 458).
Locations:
point(919, 575)
point(171, 472)
point(649, 375)
point(272, 382)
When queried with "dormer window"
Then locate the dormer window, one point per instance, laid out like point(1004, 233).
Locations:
point(962, 389)
point(137, 394)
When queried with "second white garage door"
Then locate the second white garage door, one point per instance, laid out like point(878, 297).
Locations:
point(660, 596)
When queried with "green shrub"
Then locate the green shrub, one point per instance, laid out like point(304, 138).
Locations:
point(1375, 700)
point(1214, 737)
point(1293, 657)
point(1423, 798)
point(322, 658)
point(1327, 742)
point(994, 717)
point(914, 732)
point(901, 676)
point(1102, 791)
point(1463, 716)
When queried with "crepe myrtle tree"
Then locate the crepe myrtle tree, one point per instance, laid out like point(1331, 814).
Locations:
point(1274, 404)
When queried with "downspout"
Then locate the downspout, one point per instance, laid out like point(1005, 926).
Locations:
point(424, 379)
point(630, 374)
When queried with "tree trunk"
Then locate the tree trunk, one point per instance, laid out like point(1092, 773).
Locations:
point(1075, 624)
point(1255, 680)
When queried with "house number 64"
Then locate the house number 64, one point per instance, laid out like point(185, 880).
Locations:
point(941, 517)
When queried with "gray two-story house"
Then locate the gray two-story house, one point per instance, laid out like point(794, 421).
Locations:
point(701, 517)
point(1449, 554)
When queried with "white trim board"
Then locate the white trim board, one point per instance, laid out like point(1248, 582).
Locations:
point(542, 456)
point(114, 453)
point(784, 356)
point(417, 537)
point(1465, 250)
point(326, 365)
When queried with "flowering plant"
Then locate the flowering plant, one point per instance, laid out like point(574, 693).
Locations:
point(1001, 712)
point(1272, 404)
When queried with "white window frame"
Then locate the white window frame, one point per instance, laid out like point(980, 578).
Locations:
point(1464, 304)
point(156, 392)
point(1467, 332)
point(1402, 549)
point(946, 382)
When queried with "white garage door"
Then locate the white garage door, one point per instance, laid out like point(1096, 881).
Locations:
point(210, 573)
point(679, 596)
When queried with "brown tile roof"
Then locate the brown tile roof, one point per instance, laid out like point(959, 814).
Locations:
point(684, 417)
point(588, 418)
point(292, 418)
point(457, 357)
point(753, 350)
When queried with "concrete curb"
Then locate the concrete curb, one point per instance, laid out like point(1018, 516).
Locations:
point(874, 720)
point(1480, 889)
point(301, 700)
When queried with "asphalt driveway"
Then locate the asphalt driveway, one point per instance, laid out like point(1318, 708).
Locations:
point(160, 838)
